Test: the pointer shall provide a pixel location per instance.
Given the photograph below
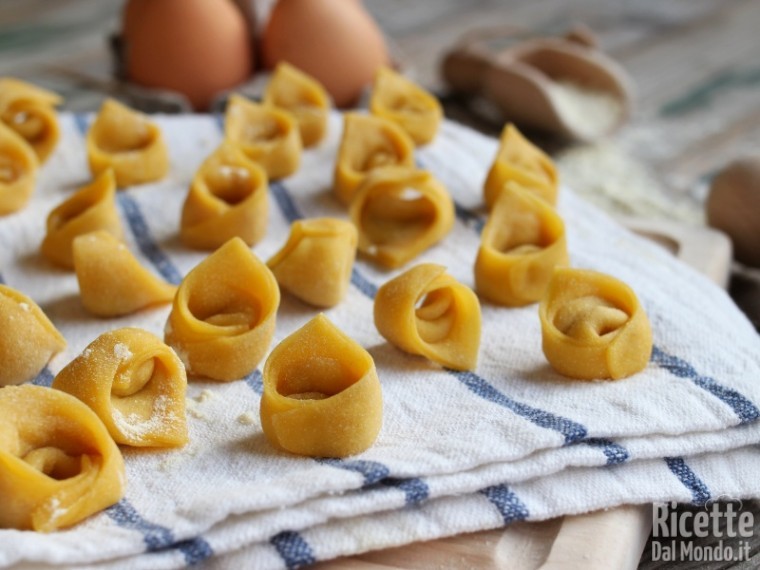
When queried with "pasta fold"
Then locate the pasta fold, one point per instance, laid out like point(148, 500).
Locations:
point(18, 171)
point(135, 384)
point(368, 143)
point(28, 340)
point(126, 141)
point(316, 262)
point(521, 244)
point(593, 326)
point(322, 396)
point(405, 103)
point(266, 135)
point(426, 311)
point(58, 465)
point(112, 282)
point(227, 198)
point(300, 94)
point(89, 209)
point(400, 212)
point(223, 315)
point(30, 111)
point(518, 160)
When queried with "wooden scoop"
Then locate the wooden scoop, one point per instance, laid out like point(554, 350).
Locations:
point(562, 85)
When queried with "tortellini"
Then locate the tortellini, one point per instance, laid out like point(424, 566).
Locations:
point(402, 101)
point(126, 141)
point(322, 396)
point(135, 384)
point(227, 198)
point(18, 171)
point(518, 160)
point(304, 97)
point(266, 135)
point(112, 282)
point(368, 143)
point(223, 315)
point(522, 243)
point(28, 339)
point(316, 262)
point(58, 465)
point(400, 212)
point(593, 326)
point(30, 111)
point(426, 311)
point(89, 209)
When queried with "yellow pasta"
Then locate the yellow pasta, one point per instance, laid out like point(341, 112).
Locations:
point(300, 94)
point(593, 326)
point(316, 262)
point(227, 198)
point(522, 243)
point(112, 282)
point(58, 465)
point(322, 396)
point(223, 315)
point(89, 209)
point(408, 105)
point(266, 135)
point(28, 340)
point(135, 384)
point(400, 212)
point(127, 142)
point(368, 143)
point(18, 171)
point(426, 311)
point(30, 111)
point(518, 160)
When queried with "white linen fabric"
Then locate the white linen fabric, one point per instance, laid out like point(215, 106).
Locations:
point(458, 451)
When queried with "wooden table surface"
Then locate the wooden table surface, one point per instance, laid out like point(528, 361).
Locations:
point(695, 65)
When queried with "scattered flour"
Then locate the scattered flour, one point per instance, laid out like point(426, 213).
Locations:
point(247, 419)
point(122, 352)
point(204, 396)
point(135, 426)
point(56, 511)
point(590, 113)
point(25, 307)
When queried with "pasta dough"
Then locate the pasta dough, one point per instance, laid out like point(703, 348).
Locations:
point(227, 198)
point(593, 326)
point(316, 262)
point(400, 212)
point(322, 396)
point(408, 105)
point(135, 384)
point(58, 465)
point(522, 243)
point(89, 209)
point(28, 340)
point(111, 281)
point(30, 112)
point(426, 311)
point(368, 143)
point(127, 142)
point(303, 96)
point(223, 315)
point(266, 135)
point(519, 161)
point(18, 171)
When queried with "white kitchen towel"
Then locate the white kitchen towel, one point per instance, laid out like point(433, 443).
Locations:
point(513, 430)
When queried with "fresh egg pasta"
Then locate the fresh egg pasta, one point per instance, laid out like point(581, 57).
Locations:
point(18, 171)
point(30, 111)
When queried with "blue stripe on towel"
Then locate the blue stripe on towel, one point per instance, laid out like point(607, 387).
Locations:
point(255, 381)
point(294, 550)
point(158, 538)
point(372, 471)
point(615, 452)
point(416, 490)
point(506, 501)
point(699, 491)
point(572, 431)
point(145, 241)
point(743, 408)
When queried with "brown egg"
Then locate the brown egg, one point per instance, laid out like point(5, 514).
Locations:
point(734, 207)
point(334, 41)
point(195, 47)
